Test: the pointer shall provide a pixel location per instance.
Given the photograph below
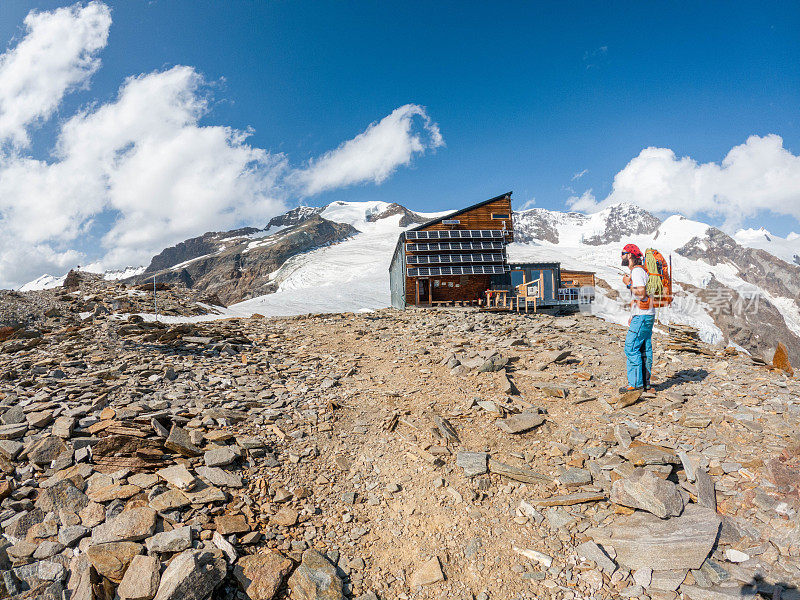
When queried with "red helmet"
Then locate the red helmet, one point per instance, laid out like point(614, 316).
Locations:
point(632, 249)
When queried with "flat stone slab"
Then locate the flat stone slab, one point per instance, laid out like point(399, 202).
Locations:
point(227, 524)
point(13, 431)
point(473, 463)
point(169, 500)
point(132, 525)
point(641, 454)
point(524, 421)
point(569, 499)
point(217, 476)
point(695, 592)
point(593, 552)
point(428, 573)
point(643, 540)
point(219, 457)
point(179, 476)
point(574, 477)
point(523, 474)
point(175, 540)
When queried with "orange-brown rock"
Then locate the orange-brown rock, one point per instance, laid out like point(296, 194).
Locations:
point(780, 360)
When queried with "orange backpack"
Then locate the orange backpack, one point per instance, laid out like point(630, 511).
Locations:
point(661, 271)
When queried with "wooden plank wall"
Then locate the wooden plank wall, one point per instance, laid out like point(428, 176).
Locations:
point(576, 278)
point(471, 287)
point(481, 218)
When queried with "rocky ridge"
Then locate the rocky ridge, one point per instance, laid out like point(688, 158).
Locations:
point(609, 225)
point(237, 265)
point(419, 454)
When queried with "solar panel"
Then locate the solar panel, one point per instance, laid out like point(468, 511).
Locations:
point(427, 259)
point(421, 247)
point(464, 270)
point(454, 234)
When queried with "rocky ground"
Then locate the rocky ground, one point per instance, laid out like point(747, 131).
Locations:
point(416, 454)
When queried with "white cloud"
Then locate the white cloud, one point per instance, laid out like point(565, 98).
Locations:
point(586, 202)
point(372, 156)
point(129, 177)
point(143, 163)
point(580, 174)
point(528, 204)
point(57, 54)
point(757, 176)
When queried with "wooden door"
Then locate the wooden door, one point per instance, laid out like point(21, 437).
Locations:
point(423, 291)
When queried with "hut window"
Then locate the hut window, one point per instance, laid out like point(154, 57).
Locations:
point(500, 216)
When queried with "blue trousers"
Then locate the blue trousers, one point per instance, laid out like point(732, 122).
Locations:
point(639, 350)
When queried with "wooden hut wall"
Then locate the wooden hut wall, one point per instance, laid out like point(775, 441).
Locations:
point(471, 287)
point(481, 218)
point(464, 287)
point(577, 278)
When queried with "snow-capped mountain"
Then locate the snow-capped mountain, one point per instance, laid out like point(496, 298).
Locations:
point(49, 282)
point(787, 248)
point(335, 258)
point(605, 226)
point(234, 266)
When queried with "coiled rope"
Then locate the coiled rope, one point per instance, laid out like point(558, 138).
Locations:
point(654, 287)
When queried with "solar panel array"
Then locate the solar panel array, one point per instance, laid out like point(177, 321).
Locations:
point(432, 259)
point(455, 234)
point(455, 246)
point(465, 270)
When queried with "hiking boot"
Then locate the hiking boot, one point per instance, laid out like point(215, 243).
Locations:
point(629, 388)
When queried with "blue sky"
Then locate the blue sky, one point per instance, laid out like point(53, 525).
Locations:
point(526, 95)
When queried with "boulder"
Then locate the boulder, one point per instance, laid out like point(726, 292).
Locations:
point(191, 575)
point(175, 540)
point(316, 579)
point(645, 491)
point(261, 575)
point(141, 579)
point(131, 526)
point(780, 360)
point(643, 540)
point(111, 559)
point(227, 524)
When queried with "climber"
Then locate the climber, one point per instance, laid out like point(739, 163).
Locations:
point(638, 343)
